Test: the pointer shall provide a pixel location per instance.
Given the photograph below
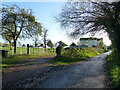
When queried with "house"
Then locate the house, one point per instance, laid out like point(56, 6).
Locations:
point(90, 42)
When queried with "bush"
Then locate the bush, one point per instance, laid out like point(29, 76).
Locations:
point(84, 52)
point(70, 55)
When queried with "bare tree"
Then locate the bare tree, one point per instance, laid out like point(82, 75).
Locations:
point(92, 17)
point(45, 38)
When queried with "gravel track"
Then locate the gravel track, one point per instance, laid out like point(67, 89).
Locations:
point(90, 73)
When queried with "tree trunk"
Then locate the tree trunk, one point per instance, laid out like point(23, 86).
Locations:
point(15, 46)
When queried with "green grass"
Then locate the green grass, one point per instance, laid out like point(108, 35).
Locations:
point(21, 55)
point(22, 50)
point(76, 55)
point(66, 60)
point(3, 65)
point(20, 58)
point(68, 56)
point(113, 72)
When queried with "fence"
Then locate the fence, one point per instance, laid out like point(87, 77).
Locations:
point(32, 50)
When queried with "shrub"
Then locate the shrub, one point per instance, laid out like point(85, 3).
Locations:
point(77, 53)
point(71, 55)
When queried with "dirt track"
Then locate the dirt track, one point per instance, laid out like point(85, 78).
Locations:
point(90, 73)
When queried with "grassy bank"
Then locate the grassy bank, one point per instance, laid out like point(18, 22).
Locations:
point(113, 71)
point(73, 55)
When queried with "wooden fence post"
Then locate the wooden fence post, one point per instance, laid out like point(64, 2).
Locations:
point(27, 48)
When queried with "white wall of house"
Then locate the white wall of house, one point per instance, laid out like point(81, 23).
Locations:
point(89, 42)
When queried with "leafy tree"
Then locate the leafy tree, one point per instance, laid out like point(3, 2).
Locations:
point(18, 22)
point(8, 37)
point(85, 17)
point(31, 46)
point(23, 45)
point(36, 34)
point(73, 44)
point(50, 44)
point(101, 44)
point(1, 44)
point(40, 45)
point(62, 44)
point(5, 45)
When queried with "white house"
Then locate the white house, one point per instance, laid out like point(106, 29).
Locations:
point(90, 41)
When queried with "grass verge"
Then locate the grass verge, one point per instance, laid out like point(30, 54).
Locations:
point(113, 72)
point(74, 55)
point(16, 59)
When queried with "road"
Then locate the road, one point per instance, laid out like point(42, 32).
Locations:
point(90, 73)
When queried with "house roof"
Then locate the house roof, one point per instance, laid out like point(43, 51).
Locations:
point(90, 38)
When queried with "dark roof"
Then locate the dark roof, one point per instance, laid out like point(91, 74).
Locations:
point(90, 38)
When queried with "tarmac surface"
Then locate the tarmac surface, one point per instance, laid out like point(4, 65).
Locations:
point(90, 73)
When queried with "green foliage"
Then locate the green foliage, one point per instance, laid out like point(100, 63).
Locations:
point(50, 44)
point(16, 20)
point(23, 45)
point(101, 44)
point(22, 57)
point(81, 53)
point(33, 51)
point(113, 71)
point(40, 45)
point(92, 17)
point(15, 59)
point(62, 44)
point(34, 29)
point(1, 44)
point(73, 44)
point(71, 55)
point(7, 36)
point(5, 45)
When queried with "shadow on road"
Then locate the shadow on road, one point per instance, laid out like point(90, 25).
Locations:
point(86, 74)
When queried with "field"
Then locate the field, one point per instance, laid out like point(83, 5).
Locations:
point(21, 55)
point(22, 50)
point(68, 56)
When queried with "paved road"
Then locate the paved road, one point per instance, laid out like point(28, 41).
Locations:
point(90, 73)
